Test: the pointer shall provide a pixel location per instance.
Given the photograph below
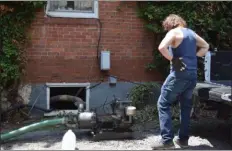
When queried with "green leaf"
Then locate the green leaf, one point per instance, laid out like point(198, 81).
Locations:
point(202, 17)
point(14, 38)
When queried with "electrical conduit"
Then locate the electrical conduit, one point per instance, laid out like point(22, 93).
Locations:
point(32, 127)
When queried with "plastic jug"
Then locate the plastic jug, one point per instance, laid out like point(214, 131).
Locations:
point(69, 141)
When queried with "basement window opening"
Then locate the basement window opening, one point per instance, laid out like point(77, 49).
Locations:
point(67, 96)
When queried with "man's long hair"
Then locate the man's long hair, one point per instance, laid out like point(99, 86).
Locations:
point(173, 21)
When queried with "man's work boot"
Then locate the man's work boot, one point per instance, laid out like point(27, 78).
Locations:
point(181, 143)
point(160, 145)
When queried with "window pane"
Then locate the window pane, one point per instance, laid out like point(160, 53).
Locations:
point(73, 6)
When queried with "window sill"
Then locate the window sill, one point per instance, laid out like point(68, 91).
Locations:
point(73, 15)
point(69, 21)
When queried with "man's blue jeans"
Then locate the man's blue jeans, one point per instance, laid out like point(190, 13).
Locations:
point(178, 85)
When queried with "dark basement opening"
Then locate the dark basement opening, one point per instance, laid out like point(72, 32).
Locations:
point(63, 104)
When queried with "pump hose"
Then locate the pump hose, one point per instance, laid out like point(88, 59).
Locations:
point(32, 127)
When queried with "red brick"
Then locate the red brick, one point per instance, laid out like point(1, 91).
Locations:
point(65, 50)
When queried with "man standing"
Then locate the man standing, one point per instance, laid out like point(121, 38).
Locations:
point(182, 43)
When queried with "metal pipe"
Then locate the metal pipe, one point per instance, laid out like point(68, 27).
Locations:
point(31, 127)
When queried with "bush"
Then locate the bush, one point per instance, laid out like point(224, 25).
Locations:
point(212, 20)
point(144, 94)
point(147, 114)
point(15, 18)
point(144, 98)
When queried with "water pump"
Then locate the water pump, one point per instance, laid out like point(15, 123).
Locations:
point(119, 121)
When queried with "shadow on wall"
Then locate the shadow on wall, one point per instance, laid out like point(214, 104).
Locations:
point(38, 98)
point(104, 94)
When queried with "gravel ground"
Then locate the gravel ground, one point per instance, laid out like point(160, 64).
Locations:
point(201, 139)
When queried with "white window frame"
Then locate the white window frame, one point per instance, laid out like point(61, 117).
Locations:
point(50, 85)
point(73, 14)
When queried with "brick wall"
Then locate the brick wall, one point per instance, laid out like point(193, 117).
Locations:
point(65, 50)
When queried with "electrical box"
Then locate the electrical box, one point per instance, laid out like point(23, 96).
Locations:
point(112, 80)
point(105, 60)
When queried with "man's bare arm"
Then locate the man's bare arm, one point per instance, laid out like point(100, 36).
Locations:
point(167, 41)
point(203, 46)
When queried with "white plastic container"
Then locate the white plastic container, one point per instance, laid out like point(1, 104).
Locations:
point(69, 141)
